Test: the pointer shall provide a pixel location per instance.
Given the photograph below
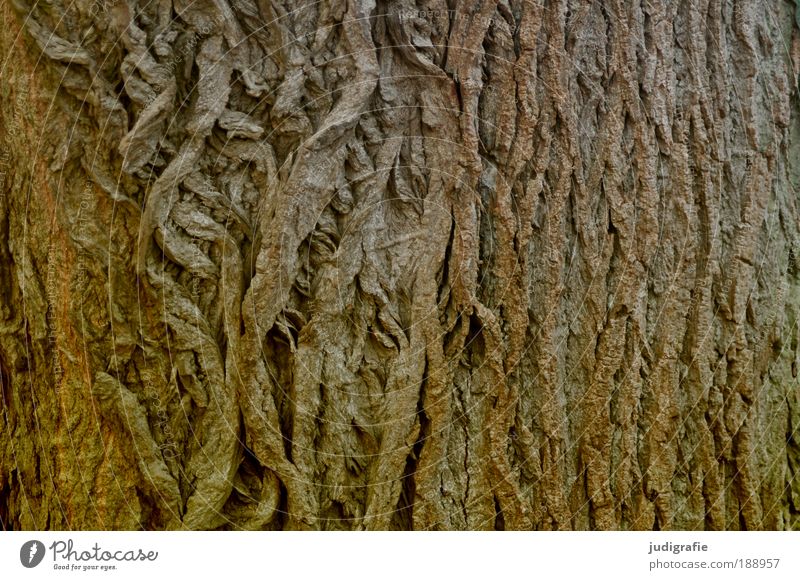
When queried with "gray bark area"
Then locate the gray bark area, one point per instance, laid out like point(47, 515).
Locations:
point(516, 264)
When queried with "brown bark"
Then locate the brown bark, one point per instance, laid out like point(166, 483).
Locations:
point(384, 265)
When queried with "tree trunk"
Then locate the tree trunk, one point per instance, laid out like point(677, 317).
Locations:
point(527, 264)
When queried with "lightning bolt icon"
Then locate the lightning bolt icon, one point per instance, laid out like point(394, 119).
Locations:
point(34, 549)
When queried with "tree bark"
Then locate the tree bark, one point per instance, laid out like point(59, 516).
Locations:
point(516, 264)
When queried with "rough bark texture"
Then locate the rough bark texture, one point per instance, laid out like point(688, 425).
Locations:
point(526, 264)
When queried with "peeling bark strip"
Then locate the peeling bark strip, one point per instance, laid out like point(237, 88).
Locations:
point(515, 264)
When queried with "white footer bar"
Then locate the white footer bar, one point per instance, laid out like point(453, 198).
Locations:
point(401, 555)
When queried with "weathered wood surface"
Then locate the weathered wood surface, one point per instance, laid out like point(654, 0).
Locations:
point(355, 264)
